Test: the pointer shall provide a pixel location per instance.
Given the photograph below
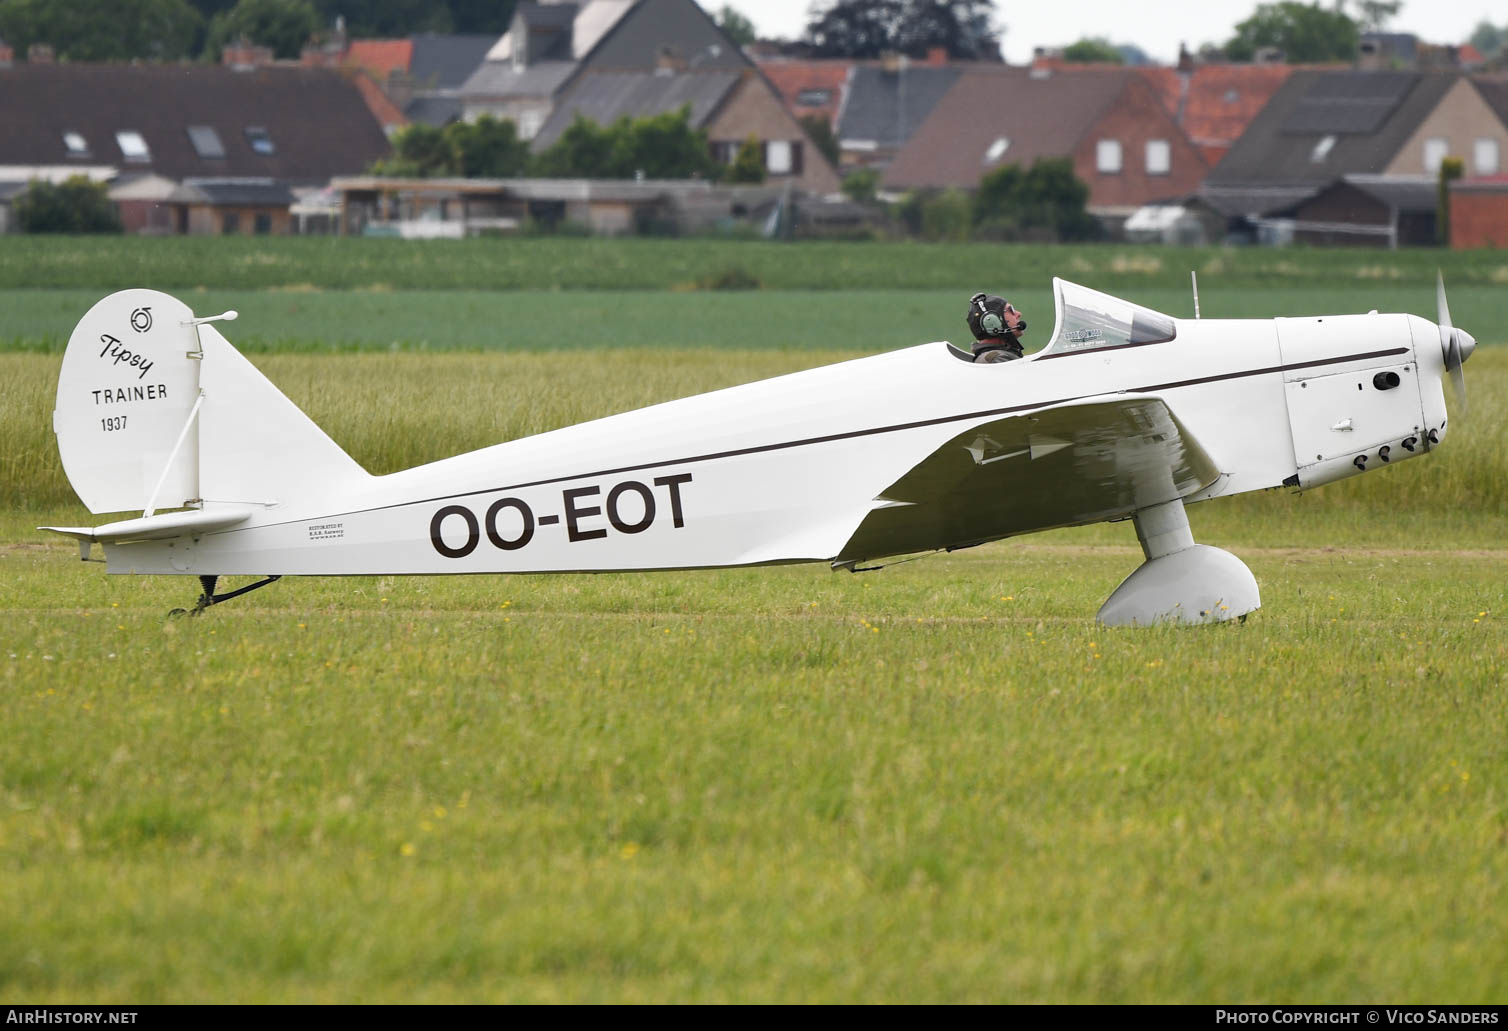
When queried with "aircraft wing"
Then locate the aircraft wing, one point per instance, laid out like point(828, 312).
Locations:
point(1083, 462)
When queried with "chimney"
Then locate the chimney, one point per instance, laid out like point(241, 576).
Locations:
point(399, 88)
point(243, 56)
point(1185, 60)
point(669, 62)
point(937, 56)
point(1042, 63)
point(39, 53)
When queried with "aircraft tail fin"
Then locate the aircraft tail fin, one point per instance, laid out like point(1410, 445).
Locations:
point(156, 410)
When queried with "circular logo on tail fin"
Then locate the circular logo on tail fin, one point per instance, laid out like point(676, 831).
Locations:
point(141, 319)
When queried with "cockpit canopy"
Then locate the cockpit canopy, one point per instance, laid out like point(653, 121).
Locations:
point(1088, 320)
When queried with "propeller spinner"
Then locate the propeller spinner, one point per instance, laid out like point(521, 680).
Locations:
point(1455, 344)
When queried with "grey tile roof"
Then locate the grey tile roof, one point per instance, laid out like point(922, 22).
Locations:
point(604, 97)
point(1348, 103)
point(499, 79)
point(436, 111)
point(444, 62)
point(233, 191)
point(1279, 147)
point(1255, 201)
point(1404, 192)
point(316, 119)
point(887, 107)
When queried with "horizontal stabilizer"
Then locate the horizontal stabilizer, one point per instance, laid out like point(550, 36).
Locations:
point(159, 527)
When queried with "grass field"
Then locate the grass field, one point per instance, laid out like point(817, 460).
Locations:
point(254, 263)
point(940, 782)
point(852, 320)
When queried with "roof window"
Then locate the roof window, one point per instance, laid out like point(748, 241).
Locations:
point(260, 142)
point(78, 147)
point(132, 146)
point(997, 150)
point(1322, 149)
point(206, 141)
point(814, 98)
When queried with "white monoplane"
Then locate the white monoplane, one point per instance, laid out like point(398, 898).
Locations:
point(1126, 413)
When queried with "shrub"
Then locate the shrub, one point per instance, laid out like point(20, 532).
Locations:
point(76, 205)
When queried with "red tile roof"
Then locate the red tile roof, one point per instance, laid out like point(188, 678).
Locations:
point(384, 110)
point(1223, 99)
point(792, 78)
point(381, 57)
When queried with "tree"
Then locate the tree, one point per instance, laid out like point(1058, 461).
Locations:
point(735, 26)
point(661, 147)
point(419, 151)
point(748, 163)
point(102, 30)
point(1305, 33)
point(964, 28)
point(487, 148)
point(1488, 38)
point(861, 186)
point(283, 25)
point(1092, 51)
point(1047, 200)
point(1451, 169)
point(77, 205)
point(1375, 14)
point(871, 28)
point(854, 28)
point(821, 134)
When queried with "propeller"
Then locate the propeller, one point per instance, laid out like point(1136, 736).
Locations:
point(1455, 344)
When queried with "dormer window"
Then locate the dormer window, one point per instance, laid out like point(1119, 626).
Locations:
point(206, 141)
point(260, 142)
point(78, 147)
point(997, 150)
point(1322, 149)
point(132, 146)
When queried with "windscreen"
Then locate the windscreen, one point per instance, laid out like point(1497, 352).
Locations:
point(1091, 321)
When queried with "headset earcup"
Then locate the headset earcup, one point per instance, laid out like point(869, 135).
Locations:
point(992, 324)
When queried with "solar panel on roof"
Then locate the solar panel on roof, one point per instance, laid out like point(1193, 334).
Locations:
point(1354, 103)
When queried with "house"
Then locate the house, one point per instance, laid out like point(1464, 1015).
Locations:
point(297, 125)
point(422, 76)
point(1370, 210)
point(549, 44)
point(1323, 126)
point(1214, 103)
point(144, 202)
point(1479, 212)
point(611, 59)
point(813, 88)
point(228, 207)
point(729, 105)
point(454, 208)
point(1111, 123)
point(885, 104)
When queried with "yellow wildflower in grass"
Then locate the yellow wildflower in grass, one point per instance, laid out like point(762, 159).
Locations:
point(407, 849)
point(629, 850)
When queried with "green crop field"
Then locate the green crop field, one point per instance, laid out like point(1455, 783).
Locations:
point(938, 782)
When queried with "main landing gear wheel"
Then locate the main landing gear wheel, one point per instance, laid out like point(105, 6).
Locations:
point(209, 597)
point(1180, 582)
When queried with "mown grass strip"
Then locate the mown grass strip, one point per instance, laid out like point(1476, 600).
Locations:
point(110, 263)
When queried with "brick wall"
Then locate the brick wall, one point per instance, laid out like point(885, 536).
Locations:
point(1479, 216)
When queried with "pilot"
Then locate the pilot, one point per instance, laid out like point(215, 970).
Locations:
point(997, 329)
